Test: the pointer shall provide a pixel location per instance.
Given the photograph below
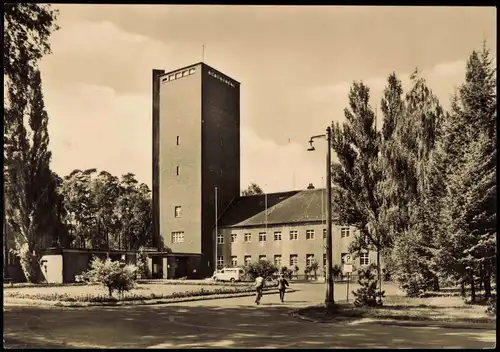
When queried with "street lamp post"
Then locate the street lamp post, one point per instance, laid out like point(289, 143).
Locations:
point(329, 298)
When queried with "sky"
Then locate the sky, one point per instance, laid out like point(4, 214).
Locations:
point(295, 65)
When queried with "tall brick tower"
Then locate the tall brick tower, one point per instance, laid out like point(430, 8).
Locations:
point(196, 147)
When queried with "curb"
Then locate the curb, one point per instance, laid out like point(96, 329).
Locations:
point(394, 322)
point(48, 304)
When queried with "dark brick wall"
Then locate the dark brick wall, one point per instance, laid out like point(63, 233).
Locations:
point(220, 152)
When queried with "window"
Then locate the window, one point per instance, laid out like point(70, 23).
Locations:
point(309, 259)
point(364, 259)
point(262, 237)
point(248, 259)
point(185, 73)
point(233, 238)
point(178, 237)
point(262, 257)
point(294, 260)
point(177, 170)
point(234, 261)
point(191, 71)
point(324, 233)
point(220, 261)
point(171, 77)
point(178, 211)
point(344, 232)
point(294, 235)
point(178, 75)
point(221, 172)
point(277, 261)
point(178, 140)
point(309, 234)
point(277, 236)
point(220, 238)
point(248, 237)
point(221, 142)
point(324, 259)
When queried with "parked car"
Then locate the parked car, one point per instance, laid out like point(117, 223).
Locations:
point(229, 274)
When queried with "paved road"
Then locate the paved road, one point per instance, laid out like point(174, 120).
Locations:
point(228, 323)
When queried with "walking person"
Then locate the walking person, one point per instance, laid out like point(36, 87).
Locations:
point(282, 285)
point(259, 286)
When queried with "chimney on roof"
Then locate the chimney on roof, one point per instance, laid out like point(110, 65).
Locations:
point(310, 186)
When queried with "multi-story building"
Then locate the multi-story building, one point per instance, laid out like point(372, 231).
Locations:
point(196, 148)
point(290, 232)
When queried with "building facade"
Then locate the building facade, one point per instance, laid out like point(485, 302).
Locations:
point(292, 232)
point(196, 148)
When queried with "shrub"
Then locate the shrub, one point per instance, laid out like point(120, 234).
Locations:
point(313, 268)
point(286, 272)
point(112, 274)
point(336, 270)
point(263, 268)
point(368, 295)
point(492, 306)
point(142, 262)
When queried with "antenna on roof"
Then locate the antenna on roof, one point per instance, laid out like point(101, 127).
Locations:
point(203, 53)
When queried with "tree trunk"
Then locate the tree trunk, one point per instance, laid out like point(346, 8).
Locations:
point(487, 281)
point(31, 268)
point(472, 287)
point(435, 283)
point(462, 287)
point(379, 271)
point(481, 277)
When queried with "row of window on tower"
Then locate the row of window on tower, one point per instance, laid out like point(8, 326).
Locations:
point(180, 74)
point(364, 260)
point(293, 235)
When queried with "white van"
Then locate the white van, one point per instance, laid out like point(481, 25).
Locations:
point(229, 274)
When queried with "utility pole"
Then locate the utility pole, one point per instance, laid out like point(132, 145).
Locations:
point(216, 231)
point(329, 299)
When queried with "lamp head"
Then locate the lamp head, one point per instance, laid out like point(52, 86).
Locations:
point(311, 148)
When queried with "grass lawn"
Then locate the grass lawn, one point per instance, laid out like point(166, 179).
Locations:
point(94, 293)
point(443, 308)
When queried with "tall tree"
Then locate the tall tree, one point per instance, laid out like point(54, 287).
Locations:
point(252, 189)
point(358, 175)
point(468, 241)
point(29, 185)
point(414, 175)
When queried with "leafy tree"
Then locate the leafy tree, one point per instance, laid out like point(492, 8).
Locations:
point(253, 189)
point(27, 28)
point(29, 185)
point(413, 182)
point(358, 176)
point(367, 295)
point(286, 272)
point(264, 268)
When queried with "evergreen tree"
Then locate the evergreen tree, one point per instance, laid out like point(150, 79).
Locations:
point(468, 238)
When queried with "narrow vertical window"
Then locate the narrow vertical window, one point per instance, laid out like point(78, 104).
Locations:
point(221, 142)
point(178, 170)
point(178, 140)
